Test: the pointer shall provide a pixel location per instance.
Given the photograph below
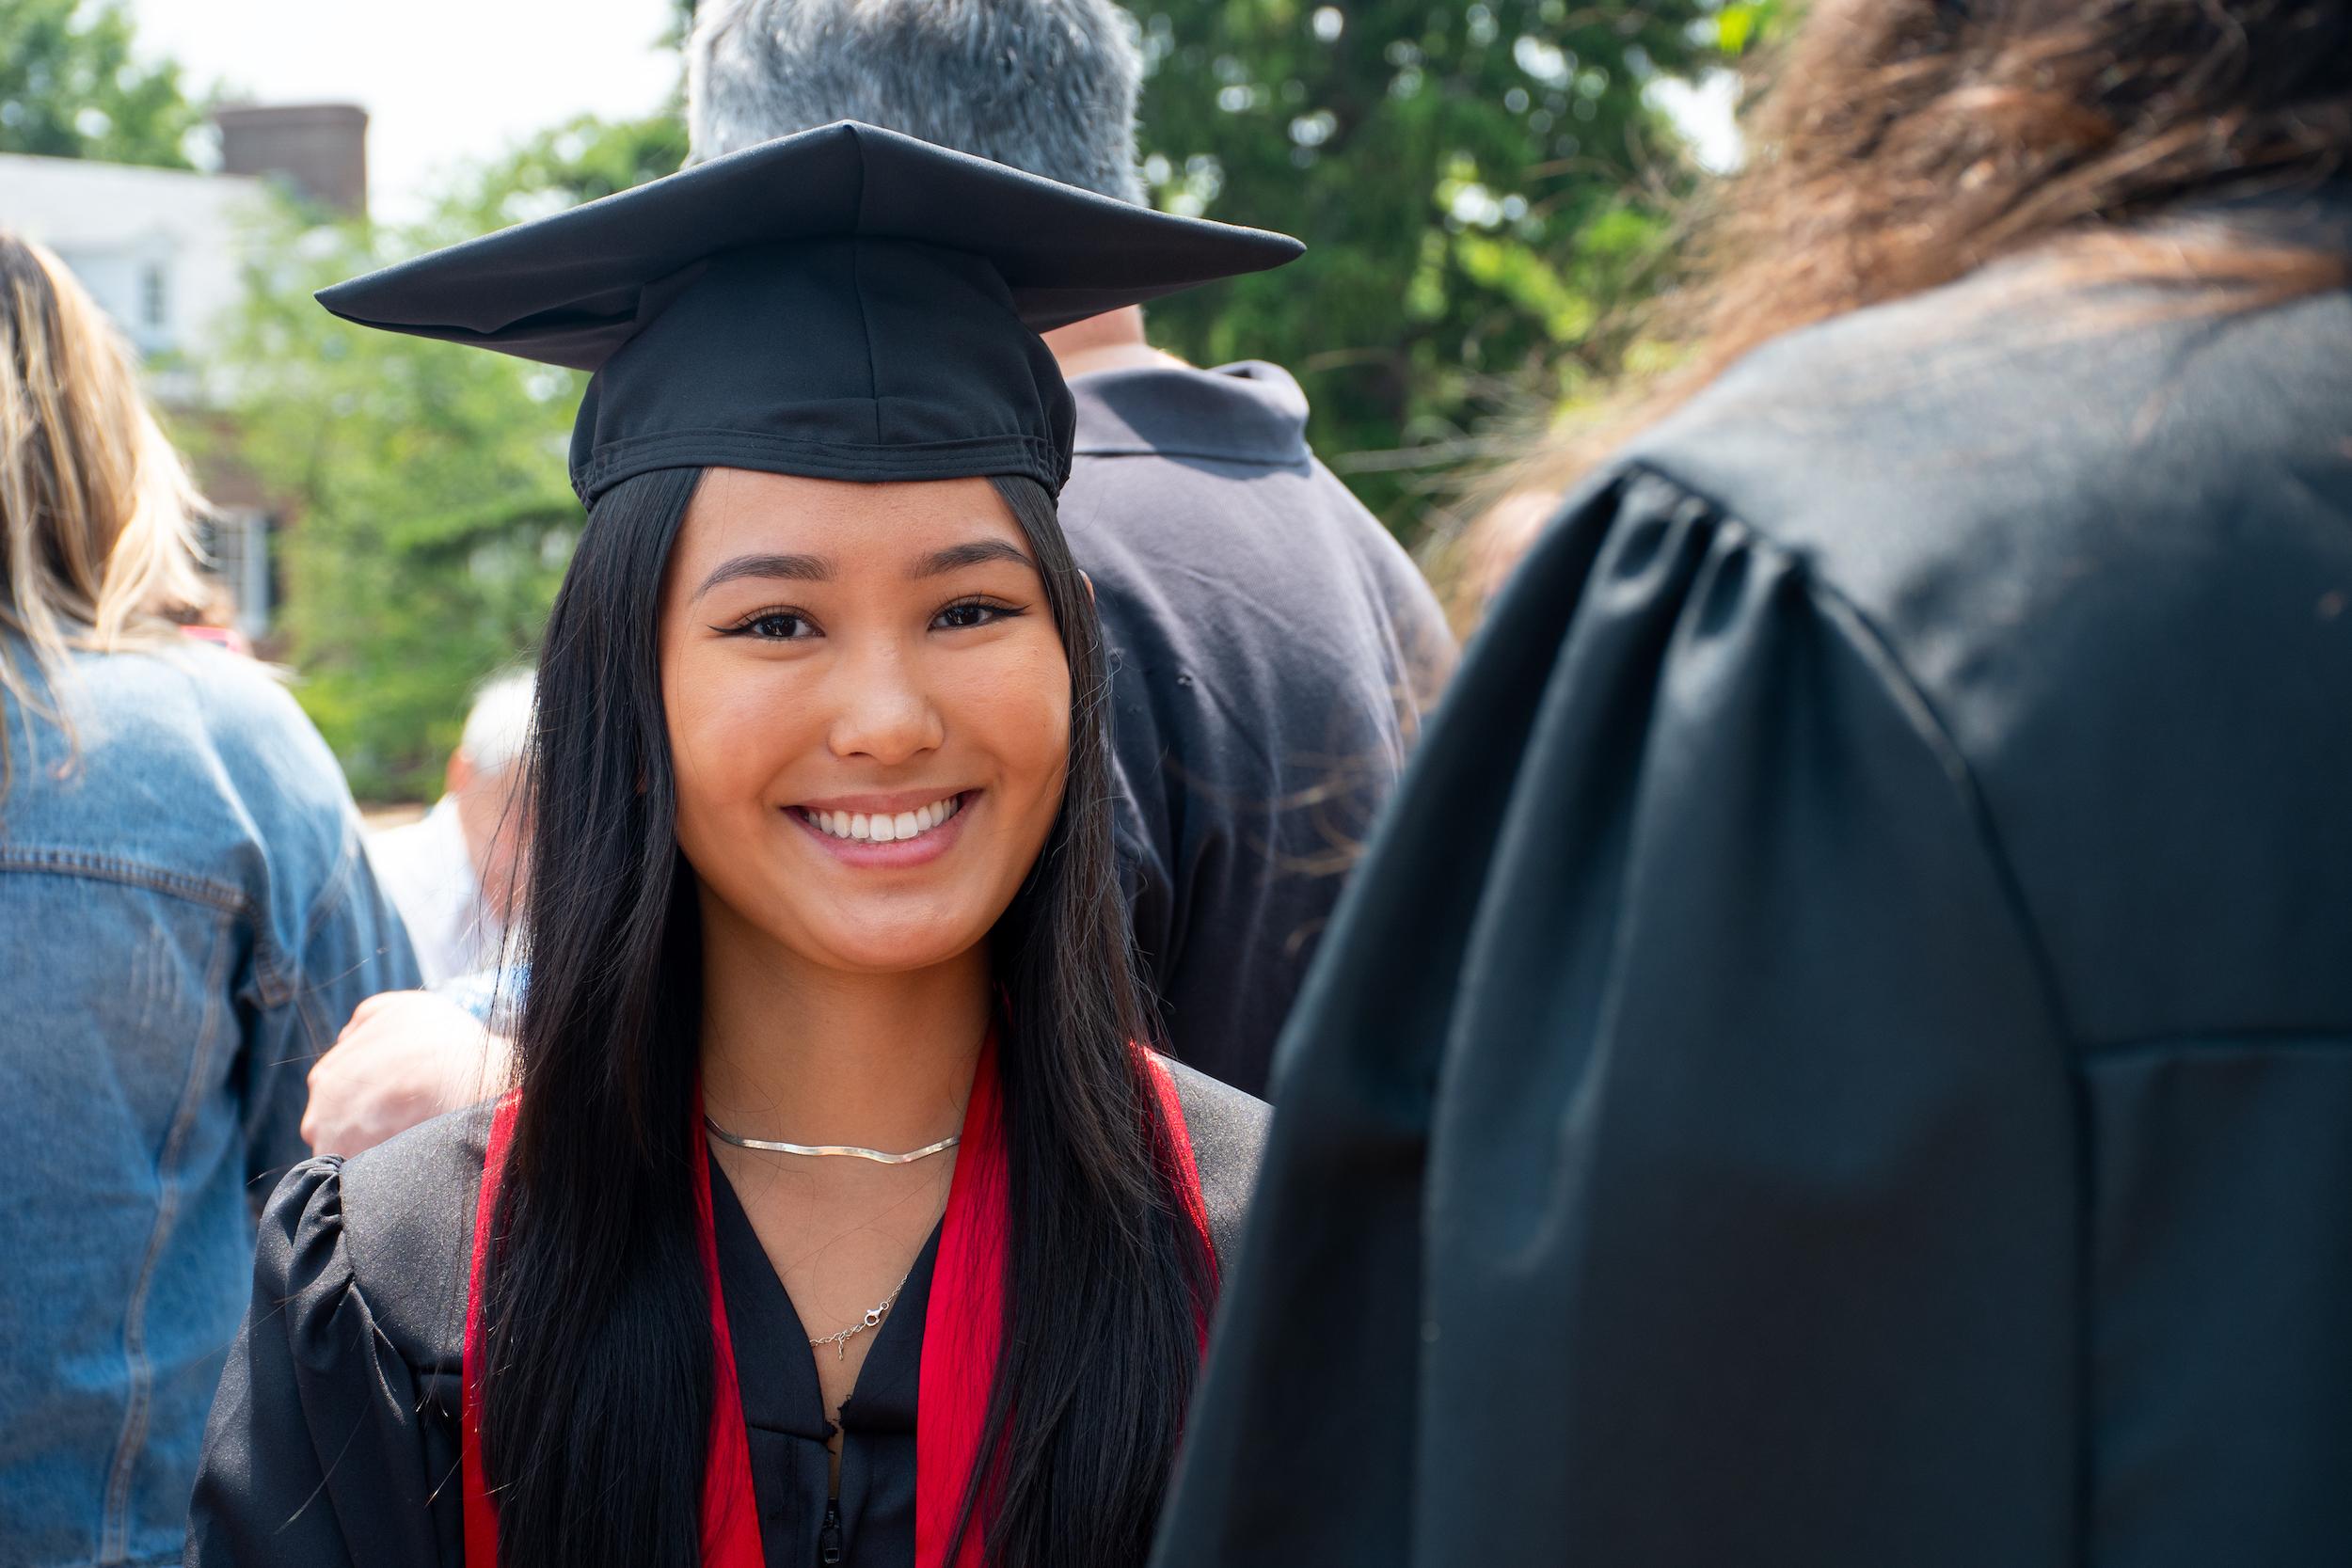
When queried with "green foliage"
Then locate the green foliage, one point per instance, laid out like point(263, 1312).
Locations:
point(578, 162)
point(1743, 24)
point(1478, 185)
point(69, 88)
point(430, 522)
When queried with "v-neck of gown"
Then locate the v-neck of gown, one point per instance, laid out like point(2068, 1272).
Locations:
point(783, 1410)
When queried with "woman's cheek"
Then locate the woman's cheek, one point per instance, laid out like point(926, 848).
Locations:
point(1025, 717)
point(1035, 722)
point(727, 735)
point(1021, 695)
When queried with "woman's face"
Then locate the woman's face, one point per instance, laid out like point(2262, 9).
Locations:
point(868, 709)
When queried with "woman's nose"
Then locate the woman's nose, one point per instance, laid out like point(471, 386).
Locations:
point(883, 711)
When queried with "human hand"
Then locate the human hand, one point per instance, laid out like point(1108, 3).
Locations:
point(404, 1057)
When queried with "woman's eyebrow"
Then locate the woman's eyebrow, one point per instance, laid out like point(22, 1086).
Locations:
point(789, 568)
point(978, 553)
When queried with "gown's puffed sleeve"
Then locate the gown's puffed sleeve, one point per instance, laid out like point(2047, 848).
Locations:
point(1671, 1157)
point(326, 1449)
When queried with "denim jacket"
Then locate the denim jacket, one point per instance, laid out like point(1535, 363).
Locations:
point(187, 919)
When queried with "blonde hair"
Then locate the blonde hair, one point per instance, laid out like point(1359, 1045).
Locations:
point(97, 509)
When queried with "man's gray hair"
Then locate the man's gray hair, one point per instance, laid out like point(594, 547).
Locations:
point(1046, 85)
point(498, 728)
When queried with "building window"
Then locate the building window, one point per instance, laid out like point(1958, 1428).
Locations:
point(241, 564)
point(154, 299)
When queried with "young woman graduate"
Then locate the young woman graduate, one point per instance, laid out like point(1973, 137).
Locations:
point(1841, 1054)
point(836, 1217)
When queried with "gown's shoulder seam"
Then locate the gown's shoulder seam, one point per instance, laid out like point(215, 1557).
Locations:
point(356, 1272)
point(1910, 697)
point(415, 1195)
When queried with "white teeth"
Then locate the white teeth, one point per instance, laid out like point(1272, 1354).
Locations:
point(878, 829)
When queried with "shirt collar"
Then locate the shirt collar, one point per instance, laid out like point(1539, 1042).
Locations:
point(1250, 412)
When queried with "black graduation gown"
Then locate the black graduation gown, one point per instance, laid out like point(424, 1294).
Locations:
point(1841, 1054)
point(334, 1439)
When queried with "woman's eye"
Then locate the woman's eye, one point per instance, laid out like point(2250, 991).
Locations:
point(774, 626)
point(963, 617)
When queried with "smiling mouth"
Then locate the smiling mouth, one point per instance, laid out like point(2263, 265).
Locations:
point(882, 828)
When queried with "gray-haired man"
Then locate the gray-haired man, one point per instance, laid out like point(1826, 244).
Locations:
point(1273, 645)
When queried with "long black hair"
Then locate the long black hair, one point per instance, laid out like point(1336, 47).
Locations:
point(597, 1399)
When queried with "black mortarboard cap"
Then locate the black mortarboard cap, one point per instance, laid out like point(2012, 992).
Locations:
point(847, 303)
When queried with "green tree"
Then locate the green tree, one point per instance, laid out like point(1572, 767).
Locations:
point(70, 88)
point(429, 517)
point(1478, 185)
point(426, 517)
point(579, 161)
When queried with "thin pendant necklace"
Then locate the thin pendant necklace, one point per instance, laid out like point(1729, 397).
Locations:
point(840, 1340)
point(879, 1156)
point(873, 1317)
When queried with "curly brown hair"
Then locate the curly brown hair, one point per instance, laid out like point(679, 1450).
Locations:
point(1910, 142)
point(1904, 144)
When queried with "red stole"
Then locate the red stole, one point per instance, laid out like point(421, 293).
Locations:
point(962, 1327)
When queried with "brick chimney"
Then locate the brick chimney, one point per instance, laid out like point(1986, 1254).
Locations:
point(321, 149)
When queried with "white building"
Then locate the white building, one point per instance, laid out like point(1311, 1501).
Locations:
point(158, 247)
point(162, 251)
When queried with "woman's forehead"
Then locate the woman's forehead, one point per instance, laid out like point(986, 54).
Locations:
point(853, 525)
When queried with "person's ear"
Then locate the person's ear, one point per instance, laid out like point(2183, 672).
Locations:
point(1090, 582)
point(458, 777)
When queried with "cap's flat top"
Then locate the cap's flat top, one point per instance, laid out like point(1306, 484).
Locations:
point(572, 288)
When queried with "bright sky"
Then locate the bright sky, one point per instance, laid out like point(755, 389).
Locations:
point(449, 82)
point(1705, 112)
point(444, 82)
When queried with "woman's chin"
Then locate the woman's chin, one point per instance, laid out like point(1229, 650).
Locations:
point(888, 947)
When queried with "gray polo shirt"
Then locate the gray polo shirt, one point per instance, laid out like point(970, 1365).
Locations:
point(1272, 648)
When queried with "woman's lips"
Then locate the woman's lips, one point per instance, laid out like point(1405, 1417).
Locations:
point(899, 832)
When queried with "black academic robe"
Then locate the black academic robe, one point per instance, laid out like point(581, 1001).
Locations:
point(334, 1440)
point(1841, 1055)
